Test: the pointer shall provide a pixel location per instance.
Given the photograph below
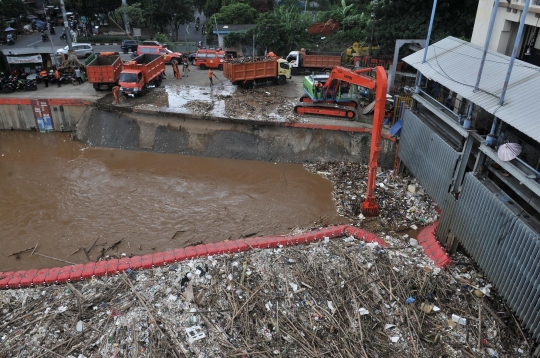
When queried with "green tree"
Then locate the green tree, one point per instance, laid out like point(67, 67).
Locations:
point(12, 8)
point(236, 14)
point(283, 30)
point(91, 8)
point(211, 7)
point(410, 20)
point(135, 14)
point(169, 14)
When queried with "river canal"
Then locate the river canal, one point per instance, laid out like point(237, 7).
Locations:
point(64, 196)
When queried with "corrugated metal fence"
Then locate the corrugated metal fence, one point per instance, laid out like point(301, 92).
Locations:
point(429, 158)
point(503, 245)
point(498, 238)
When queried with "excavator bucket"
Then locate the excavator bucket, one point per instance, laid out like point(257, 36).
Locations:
point(370, 208)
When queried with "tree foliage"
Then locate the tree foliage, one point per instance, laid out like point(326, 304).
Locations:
point(170, 14)
point(91, 8)
point(12, 8)
point(236, 14)
point(410, 20)
point(283, 30)
point(134, 12)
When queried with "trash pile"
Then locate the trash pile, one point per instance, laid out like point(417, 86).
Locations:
point(200, 107)
point(403, 204)
point(249, 59)
point(339, 297)
point(261, 103)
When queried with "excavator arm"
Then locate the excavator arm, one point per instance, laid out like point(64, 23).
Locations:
point(342, 74)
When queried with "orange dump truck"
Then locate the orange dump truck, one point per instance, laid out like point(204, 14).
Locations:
point(247, 73)
point(308, 61)
point(142, 73)
point(104, 70)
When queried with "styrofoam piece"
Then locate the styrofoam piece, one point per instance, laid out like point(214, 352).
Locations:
point(194, 334)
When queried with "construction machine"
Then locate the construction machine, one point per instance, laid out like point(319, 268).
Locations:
point(332, 95)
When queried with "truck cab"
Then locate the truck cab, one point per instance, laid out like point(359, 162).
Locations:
point(284, 68)
point(294, 58)
point(131, 82)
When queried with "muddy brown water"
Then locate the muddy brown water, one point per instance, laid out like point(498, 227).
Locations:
point(64, 195)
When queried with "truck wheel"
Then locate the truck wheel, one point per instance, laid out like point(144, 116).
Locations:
point(294, 71)
point(96, 87)
point(281, 80)
point(203, 67)
point(248, 85)
point(158, 81)
point(220, 67)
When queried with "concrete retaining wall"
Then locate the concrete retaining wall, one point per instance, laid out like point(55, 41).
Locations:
point(17, 117)
point(164, 132)
point(19, 113)
point(266, 141)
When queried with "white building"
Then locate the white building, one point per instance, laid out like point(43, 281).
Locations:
point(506, 27)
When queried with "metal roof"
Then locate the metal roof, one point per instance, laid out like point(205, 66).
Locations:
point(454, 63)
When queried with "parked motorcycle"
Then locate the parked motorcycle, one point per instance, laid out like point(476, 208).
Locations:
point(29, 85)
point(52, 31)
point(64, 35)
point(44, 37)
point(8, 87)
point(10, 41)
point(52, 79)
point(65, 78)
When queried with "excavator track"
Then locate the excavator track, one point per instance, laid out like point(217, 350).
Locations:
point(307, 99)
point(323, 109)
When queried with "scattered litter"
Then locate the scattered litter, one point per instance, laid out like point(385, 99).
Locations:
point(219, 315)
point(363, 311)
point(458, 319)
point(194, 334)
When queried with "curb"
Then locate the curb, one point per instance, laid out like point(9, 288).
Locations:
point(49, 276)
point(433, 249)
point(105, 44)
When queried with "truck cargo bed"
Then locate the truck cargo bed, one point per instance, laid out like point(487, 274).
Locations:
point(250, 71)
point(322, 59)
point(150, 65)
point(104, 69)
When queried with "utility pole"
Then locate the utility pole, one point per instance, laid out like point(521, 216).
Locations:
point(66, 26)
point(126, 18)
point(47, 18)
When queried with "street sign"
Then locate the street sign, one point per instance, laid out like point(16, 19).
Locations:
point(136, 32)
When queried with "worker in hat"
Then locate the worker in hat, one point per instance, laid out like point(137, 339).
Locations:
point(57, 76)
point(318, 88)
point(176, 70)
point(43, 75)
point(115, 94)
point(210, 74)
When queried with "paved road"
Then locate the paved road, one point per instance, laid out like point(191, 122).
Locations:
point(187, 32)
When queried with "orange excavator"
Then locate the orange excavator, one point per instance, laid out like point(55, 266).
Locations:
point(331, 96)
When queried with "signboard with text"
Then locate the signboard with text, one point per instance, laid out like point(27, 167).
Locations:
point(42, 113)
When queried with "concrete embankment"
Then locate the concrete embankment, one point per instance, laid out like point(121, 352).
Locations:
point(192, 134)
point(228, 138)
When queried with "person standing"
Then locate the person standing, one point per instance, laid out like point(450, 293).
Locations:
point(78, 76)
point(185, 67)
point(176, 71)
point(57, 76)
point(115, 94)
point(44, 77)
point(210, 74)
